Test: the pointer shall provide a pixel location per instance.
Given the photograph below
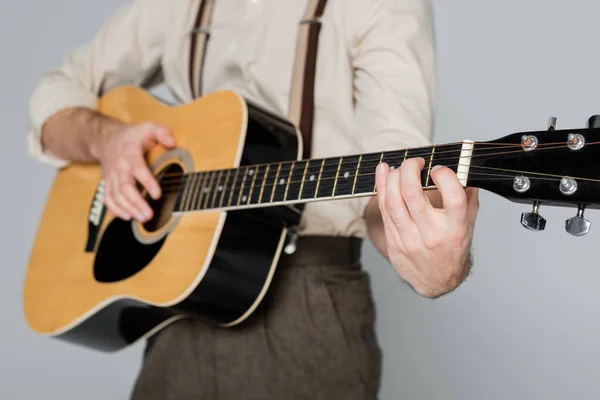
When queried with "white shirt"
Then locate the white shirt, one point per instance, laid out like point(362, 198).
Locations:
point(374, 84)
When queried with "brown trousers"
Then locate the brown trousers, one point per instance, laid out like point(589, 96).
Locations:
point(313, 337)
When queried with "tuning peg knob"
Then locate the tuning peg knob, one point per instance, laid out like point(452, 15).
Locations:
point(577, 225)
point(593, 122)
point(533, 221)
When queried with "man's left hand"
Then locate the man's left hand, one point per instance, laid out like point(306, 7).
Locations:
point(427, 236)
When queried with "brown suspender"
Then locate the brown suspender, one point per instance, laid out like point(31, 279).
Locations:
point(301, 108)
point(303, 79)
point(200, 36)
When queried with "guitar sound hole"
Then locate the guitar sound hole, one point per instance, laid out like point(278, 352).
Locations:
point(170, 180)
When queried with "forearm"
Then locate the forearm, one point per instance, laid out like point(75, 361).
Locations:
point(73, 134)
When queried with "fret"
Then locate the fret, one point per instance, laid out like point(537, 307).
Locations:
point(428, 166)
point(424, 153)
point(262, 187)
point(303, 179)
point(243, 196)
point(319, 178)
point(207, 190)
point(294, 188)
point(224, 188)
point(365, 179)
point(198, 176)
point(356, 175)
point(448, 155)
point(287, 184)
point(239, 186)
point(328, 177)
point(183, 182)
point(311, 179)
point(270, 178)
point(337, 173)
point(217, 189)
point(189, 192)
point(258, 184)
point(346, 174)
point(275, 182)
point(232, 186)
point(202, 189)
point(201, 176)
point(281, 184)
point(374, 180)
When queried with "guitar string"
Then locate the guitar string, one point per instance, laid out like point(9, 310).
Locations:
point(427, 151)
point(398, 158)
point(488, 176)
point(235, 185)
point(395, 153)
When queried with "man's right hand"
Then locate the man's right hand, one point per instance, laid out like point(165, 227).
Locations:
point(120, 151)
point(84, 135)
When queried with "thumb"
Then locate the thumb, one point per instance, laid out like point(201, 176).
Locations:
point(165, 137)
point(158, 134)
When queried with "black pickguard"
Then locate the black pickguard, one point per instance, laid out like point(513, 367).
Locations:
point(240, 266)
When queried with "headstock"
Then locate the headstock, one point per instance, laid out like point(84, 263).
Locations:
point(543, 168)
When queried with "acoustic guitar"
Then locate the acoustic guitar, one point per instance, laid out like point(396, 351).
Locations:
point(233, 189)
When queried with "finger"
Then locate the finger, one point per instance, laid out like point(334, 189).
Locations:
point(142, 174)
point(472, 204)
point(165, 137)
point(112, 205)
point(411, 189)
point(398, 212)
point(391, 232)
point(453, 193)
point(159, 134)
point(119, 198)
point(133, 196)
point(380, 181)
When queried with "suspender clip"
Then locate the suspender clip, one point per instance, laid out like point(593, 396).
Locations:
point(311, 21)
point(200, 29)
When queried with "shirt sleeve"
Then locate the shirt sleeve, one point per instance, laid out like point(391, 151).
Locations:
point(126, 50)
point(394, 83)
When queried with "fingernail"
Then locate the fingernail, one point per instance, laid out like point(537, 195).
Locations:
point(381, 169)
point(436, 167)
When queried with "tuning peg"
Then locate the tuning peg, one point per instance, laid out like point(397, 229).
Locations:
point(577, 225)
point(552, 123)
point(533, 221)
point(593, 122)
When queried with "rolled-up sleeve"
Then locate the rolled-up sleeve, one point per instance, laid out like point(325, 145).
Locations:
point(395, 82)
point(126, 50)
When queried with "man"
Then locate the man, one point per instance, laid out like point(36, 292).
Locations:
point(313, 336)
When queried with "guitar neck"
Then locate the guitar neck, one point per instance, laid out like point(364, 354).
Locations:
point(302, 181)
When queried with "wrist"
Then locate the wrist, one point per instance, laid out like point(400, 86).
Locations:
point(440, 286)
point(104, 130)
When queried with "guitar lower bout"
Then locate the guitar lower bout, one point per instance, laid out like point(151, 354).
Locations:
point(104, 283)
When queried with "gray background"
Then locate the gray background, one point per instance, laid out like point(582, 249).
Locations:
point(524, 326)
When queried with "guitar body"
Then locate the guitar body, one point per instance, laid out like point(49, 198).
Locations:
point(104, 283)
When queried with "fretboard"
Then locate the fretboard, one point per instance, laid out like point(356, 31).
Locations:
point(299, 181)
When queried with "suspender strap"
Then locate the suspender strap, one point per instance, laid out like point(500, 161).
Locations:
point(200, 36)
point(303, 79)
